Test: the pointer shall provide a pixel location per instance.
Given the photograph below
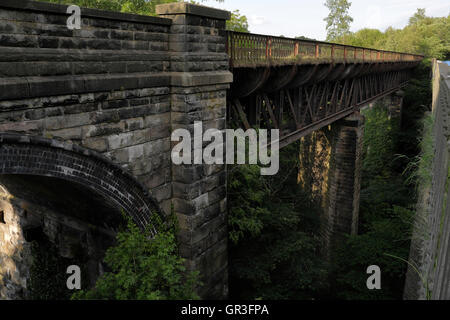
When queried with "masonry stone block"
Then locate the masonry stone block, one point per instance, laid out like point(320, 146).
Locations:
point(342, 211)
point(199, 76)
point(119, 87)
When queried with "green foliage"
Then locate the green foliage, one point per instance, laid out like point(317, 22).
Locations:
point(238, 22)
point(144, 7)
point(379, 141)
point(247, 192)
point(143, 269)
point(420, 168)
point(386, 200)
point(389, 234)
point(369, 38)
point(273, 231)
point(338, 20)
point(385, 220)
point(423, 35)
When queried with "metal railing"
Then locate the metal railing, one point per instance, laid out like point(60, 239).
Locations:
point(247, 49)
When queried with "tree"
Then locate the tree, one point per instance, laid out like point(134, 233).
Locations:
point(417, 17)
point(338, 21)
point(370, 38)
point(238, 22)
point(423, 35)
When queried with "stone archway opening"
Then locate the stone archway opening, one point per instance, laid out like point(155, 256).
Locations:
point(61, 205)
point(50, 224)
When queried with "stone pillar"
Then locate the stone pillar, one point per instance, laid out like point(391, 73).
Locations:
point(200, 77)
point(394, 103)
point(341, 214)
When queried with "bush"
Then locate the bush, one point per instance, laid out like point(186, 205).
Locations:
point(143, 269)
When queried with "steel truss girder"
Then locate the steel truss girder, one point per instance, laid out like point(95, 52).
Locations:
point(299, 111)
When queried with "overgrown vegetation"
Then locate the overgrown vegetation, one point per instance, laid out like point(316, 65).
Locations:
point(261, 229)
point(238, 22)
point(274, 242)
point(144, 268)
point(338, 20)
point(143, 7)
point(274, 238)
point(423, 35)
point(386, 211)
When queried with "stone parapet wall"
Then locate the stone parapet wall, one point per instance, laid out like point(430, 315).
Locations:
point(428, 275)
point(200, 79)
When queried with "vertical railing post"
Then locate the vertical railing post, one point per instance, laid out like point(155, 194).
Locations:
point(270, 48)
point(241, 48)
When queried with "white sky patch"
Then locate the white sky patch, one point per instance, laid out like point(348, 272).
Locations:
point(293, 18)
point(373, 17)
point(257, 20)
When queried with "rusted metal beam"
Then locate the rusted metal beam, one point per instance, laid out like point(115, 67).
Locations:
point(269, 109)
point(242, 114)
point(313, 106)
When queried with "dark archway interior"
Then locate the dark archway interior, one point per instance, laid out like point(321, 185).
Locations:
point(62, 223)
point(65, 197)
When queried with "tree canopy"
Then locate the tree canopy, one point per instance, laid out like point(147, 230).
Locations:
point(338, 20)
point(238, 22)
point(423, 35)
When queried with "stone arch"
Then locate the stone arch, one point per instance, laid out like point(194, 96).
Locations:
point(37, 156)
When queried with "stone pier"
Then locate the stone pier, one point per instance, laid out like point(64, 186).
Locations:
point(199, 81)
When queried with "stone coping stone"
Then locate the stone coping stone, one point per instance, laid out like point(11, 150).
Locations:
point(20, 54)
point(33, 87)
point(54, 8)
point(192, 79)
point(192, 9)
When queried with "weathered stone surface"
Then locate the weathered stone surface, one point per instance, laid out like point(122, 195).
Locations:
point(342, 211)
point(119, 87)
point(186, 8)
point(430, 277)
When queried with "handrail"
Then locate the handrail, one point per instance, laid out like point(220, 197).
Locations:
point(247, 49)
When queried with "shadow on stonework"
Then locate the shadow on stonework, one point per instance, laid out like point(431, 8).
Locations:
point(46, 225)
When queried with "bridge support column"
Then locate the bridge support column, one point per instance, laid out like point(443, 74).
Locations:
point(199, 81)
point(342, 211)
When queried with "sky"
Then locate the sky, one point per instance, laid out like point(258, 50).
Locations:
point(292, 18)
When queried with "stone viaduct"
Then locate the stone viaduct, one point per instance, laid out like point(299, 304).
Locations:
point(86, 118)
